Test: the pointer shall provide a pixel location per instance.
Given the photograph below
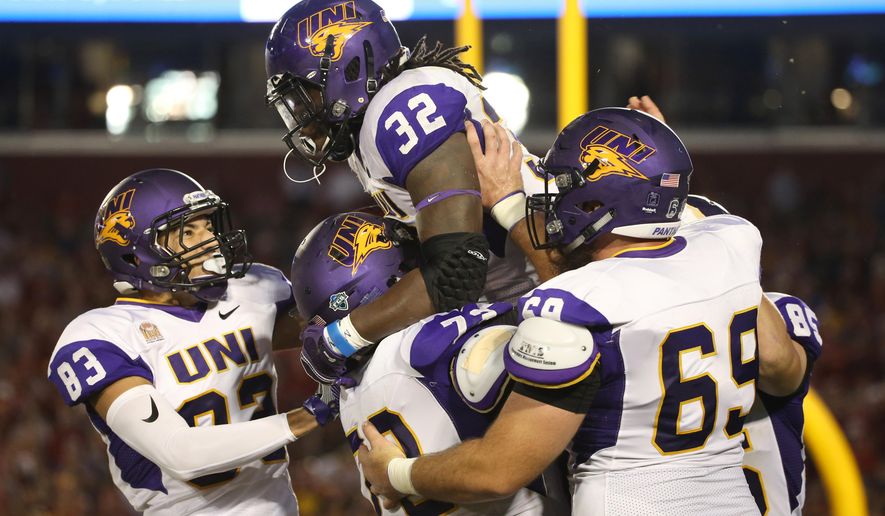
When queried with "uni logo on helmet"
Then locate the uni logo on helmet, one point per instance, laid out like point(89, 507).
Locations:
point(314, 30)
point(116, 216)
point(355, 240)
point(616, 153)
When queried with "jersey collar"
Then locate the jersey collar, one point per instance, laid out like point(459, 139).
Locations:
point(192, 314)
point(662, 250)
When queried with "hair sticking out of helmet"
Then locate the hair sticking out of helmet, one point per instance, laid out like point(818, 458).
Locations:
point(436, 56)
point(345, 261)
point(618, 171)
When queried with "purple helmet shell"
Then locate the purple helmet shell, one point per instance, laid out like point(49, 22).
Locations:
point(345, 261)
point(132, 237)
point(337, 47)
point(618, 171)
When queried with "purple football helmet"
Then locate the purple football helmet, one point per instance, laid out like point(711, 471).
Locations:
point(338, 48)
point(132, 235)
point(618, 171)
point(345, 261)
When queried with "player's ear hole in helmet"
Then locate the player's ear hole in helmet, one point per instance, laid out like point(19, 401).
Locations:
point(157, 225)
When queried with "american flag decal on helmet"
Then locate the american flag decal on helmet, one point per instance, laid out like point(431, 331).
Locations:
point(670, 180)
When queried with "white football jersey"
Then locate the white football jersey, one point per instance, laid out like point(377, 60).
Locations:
point(213, 363)
point(676, 327)
point(408, 393)
point(774, 450)
point(408, 119)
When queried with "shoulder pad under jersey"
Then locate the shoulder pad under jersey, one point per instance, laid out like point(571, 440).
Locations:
point(478, 372)
point(551, 354)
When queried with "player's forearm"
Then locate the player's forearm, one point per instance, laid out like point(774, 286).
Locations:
point(403, 304)
point(781, 361)
point(146, 422)
point(468, 473)
point(540, 259)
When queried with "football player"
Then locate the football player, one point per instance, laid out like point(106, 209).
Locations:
point(641, 354)
point(347, 90)
point(774, 449)
point(429, 386)
point(177, 376)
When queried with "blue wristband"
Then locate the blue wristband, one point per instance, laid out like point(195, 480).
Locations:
point(337, 339)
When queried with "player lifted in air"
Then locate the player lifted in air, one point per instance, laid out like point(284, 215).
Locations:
point(430, 386)
point(347, 90)
point(177, 376)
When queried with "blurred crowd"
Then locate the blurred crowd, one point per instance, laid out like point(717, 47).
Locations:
point(822, 218)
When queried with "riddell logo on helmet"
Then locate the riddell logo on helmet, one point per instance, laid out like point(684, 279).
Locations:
point(116, 215)
point(355, 240)
point(315, 30)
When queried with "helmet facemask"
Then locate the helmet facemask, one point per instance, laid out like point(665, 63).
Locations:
point(223, 255)
point(567, 179)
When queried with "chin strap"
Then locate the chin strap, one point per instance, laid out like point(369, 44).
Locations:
point(318, 170)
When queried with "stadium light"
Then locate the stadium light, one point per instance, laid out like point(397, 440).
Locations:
point(509, 95)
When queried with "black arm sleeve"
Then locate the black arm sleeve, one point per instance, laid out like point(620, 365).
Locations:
point(577, 398)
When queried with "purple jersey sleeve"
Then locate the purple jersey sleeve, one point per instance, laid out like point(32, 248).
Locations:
point(441, 333)
point(546, 366)
point(801, 322)
point(83, 368)
point(414, 123)
point(560, 305)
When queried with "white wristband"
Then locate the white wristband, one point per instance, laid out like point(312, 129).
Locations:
point(353, 336)
point(509, 210)
point(399, 472)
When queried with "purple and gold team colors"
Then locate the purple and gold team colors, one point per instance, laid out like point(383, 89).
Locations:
point(340, 49)
point(774, 451)
point(408, 119)
point(675, 326)
point(212, 362)
point(410, 391)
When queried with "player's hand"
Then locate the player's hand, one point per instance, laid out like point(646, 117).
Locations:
point(498, 168)
point(373, 459)
point(323, 405)
point(320, 361)
point(646, 105)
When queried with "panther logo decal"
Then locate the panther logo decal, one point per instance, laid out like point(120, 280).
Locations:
point(338, 21)
point(610, 163)
point(116, 217)
point(355, 240)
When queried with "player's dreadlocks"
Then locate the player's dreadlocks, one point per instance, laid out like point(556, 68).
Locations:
point(422, 55)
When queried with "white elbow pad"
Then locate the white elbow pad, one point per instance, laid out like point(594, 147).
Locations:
point(145, 420)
